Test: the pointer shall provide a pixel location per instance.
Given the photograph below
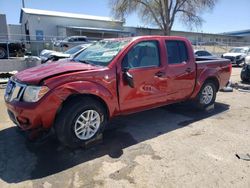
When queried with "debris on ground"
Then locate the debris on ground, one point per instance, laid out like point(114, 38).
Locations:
point(228, 87)
point(4, 78)
point(241, 86)
point(244, 90)
point(245, 157)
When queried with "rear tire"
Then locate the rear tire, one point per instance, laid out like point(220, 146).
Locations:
point(80, 121)
point(206, 96)
point(3, 53)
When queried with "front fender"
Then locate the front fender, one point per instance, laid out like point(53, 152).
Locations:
point(87, 87)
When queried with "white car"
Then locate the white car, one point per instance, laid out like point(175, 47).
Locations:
point(237, 55)
point(47, 55)
point(203, 54)
point(72, 41)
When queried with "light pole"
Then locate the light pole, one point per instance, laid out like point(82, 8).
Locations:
point(23, 4)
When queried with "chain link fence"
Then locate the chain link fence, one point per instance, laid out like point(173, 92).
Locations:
point(217, 48)
point(15, 44)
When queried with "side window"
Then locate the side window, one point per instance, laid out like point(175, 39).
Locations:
point(206, 53)
point(82, 39)
point(143, 54)
point(198, 53)
point(183, 51)
point(176, 52)
point(71, 40)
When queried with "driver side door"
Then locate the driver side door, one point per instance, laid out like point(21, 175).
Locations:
point(143, 64)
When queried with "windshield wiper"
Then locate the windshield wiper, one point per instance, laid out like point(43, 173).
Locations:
point(85, 62)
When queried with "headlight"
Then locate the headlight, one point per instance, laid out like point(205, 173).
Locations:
point(34, 93)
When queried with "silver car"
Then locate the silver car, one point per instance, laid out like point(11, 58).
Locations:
point(47, 55)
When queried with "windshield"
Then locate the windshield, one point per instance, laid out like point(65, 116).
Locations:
point(102, 52)
point(74, 49)
point(238, 50)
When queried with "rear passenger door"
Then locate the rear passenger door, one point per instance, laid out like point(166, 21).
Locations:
point(181, 70)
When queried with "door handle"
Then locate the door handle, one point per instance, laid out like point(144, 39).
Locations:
point(160, 74)
point(188, 70)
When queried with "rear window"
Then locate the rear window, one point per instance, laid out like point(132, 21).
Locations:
point(176, 52)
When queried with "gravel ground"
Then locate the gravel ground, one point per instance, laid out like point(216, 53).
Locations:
point(173, 146)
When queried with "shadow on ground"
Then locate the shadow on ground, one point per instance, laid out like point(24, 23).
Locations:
point(21, 160)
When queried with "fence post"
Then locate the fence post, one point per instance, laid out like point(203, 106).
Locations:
point(8, 52)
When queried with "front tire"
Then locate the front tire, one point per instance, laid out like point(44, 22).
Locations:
point(79, 121)
point(206, 96)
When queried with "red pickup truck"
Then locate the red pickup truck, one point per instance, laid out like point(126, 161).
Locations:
point(111, 77)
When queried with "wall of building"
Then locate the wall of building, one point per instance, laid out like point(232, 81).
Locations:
point(49, 25)
point(14, 33)
point(192, 36)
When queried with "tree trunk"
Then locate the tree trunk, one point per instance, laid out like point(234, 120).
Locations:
point(166, 31)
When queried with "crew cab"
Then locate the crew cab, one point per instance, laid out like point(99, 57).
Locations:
point(111, 77)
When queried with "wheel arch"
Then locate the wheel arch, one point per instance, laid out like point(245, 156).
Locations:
point(214, 80)
point(85, 96)
point(201, 82)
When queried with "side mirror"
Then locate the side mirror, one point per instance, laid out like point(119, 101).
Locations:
point(128, 78)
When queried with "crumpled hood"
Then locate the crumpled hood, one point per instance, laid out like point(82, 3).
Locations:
point(36, 74)
point(233, 54)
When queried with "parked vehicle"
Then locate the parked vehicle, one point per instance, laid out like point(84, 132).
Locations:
point(203, 53)
point(237, 55)
point(111, 77)
point(47, 55)
point(245, 71)
point(69, 42)
point(13, 49)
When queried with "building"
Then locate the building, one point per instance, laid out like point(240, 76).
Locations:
point(194, 37)
point(243, 33)
point(46, 25)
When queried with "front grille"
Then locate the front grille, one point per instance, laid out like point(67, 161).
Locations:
point(231, 58)
point(14, 91)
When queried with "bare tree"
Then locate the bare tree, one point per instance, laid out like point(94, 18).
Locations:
point(164, 12)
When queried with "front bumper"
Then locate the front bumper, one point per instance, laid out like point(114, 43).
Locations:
point(234, 60)
point(30, 116)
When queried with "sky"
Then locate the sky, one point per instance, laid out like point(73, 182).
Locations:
point(228, 15)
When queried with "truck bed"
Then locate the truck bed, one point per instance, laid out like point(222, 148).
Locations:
point(221, 68)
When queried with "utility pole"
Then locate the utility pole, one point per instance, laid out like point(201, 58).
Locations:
point(23, 4)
